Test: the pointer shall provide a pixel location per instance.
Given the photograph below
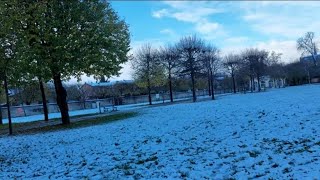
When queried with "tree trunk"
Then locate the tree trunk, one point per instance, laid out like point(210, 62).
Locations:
point(212, 85)
point(44, 101)
point(309, 77)
point(61, 99)
point(259, 87)
point(194, 96)
point(209, 83)
point(254, 85)
point(234, 84)
point(1, 118)
point(21, 99)
point(251, 83)
point(314, 60)
point(84, 104)
point(149, 92)
point(170, 87)
point(8, 103)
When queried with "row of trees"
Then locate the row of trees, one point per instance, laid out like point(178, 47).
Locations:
point(240, 67)
point(54, 40)
point(155, 67)
point(192, 57)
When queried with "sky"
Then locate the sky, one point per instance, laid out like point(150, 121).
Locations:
point(231, 26)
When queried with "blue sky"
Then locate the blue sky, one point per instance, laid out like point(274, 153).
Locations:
point(155, 21)
point(231, 26)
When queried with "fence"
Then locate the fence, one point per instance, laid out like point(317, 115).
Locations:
point(29, 110)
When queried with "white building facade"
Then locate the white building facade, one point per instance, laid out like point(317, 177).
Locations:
point(268, 82)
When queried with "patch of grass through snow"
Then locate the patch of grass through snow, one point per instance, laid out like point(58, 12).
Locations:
point(24, 124)
point(82, 123)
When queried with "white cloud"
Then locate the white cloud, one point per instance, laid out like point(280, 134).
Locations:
point(207, 27)
point(125, 74)
point(234, 49)
point(281, 19)
point(161, 13)
point(286, 48)
point(280, 23)
point(185, 17)
point(236, 40)
point(287, 19)
point(169, 32)
point(205, 7)
point(196, 13)
point(193, 15)
point(254, 16)
point(177, 4)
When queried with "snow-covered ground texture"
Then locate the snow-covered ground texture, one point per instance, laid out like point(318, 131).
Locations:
point(274, 134)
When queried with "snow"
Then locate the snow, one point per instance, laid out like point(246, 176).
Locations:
point(40, 117)
point(273, 134)
point(51, 116)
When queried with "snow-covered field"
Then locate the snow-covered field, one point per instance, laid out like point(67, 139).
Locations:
point(273, 134)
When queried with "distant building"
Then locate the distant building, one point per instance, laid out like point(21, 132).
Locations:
point(268, 82)
point(313, 71)
point(220, 76)
point(310, 58)
point(102, 89)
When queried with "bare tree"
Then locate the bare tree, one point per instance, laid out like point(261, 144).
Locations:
point(124, 88)
point(232, 62)
point(147, 69)
point(169, 57)
point(84, 94)
point(276, 72)
point(275, 68)
point(73, 92)
point(308, 45)
point(242, 77)
point(29, 92)
point(210, 59)
point(261, 65)
point(295, 73)
point(256, 61)
point(190, 49)
point(274, 58)
point(307, 68)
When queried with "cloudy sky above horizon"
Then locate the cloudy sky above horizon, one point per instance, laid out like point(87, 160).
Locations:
point(231, 26)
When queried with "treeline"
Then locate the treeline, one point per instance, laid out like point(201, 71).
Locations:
point(195, 59)
point(295, 73)
point(44, 41)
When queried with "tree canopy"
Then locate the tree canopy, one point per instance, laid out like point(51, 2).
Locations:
point(62, 39)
